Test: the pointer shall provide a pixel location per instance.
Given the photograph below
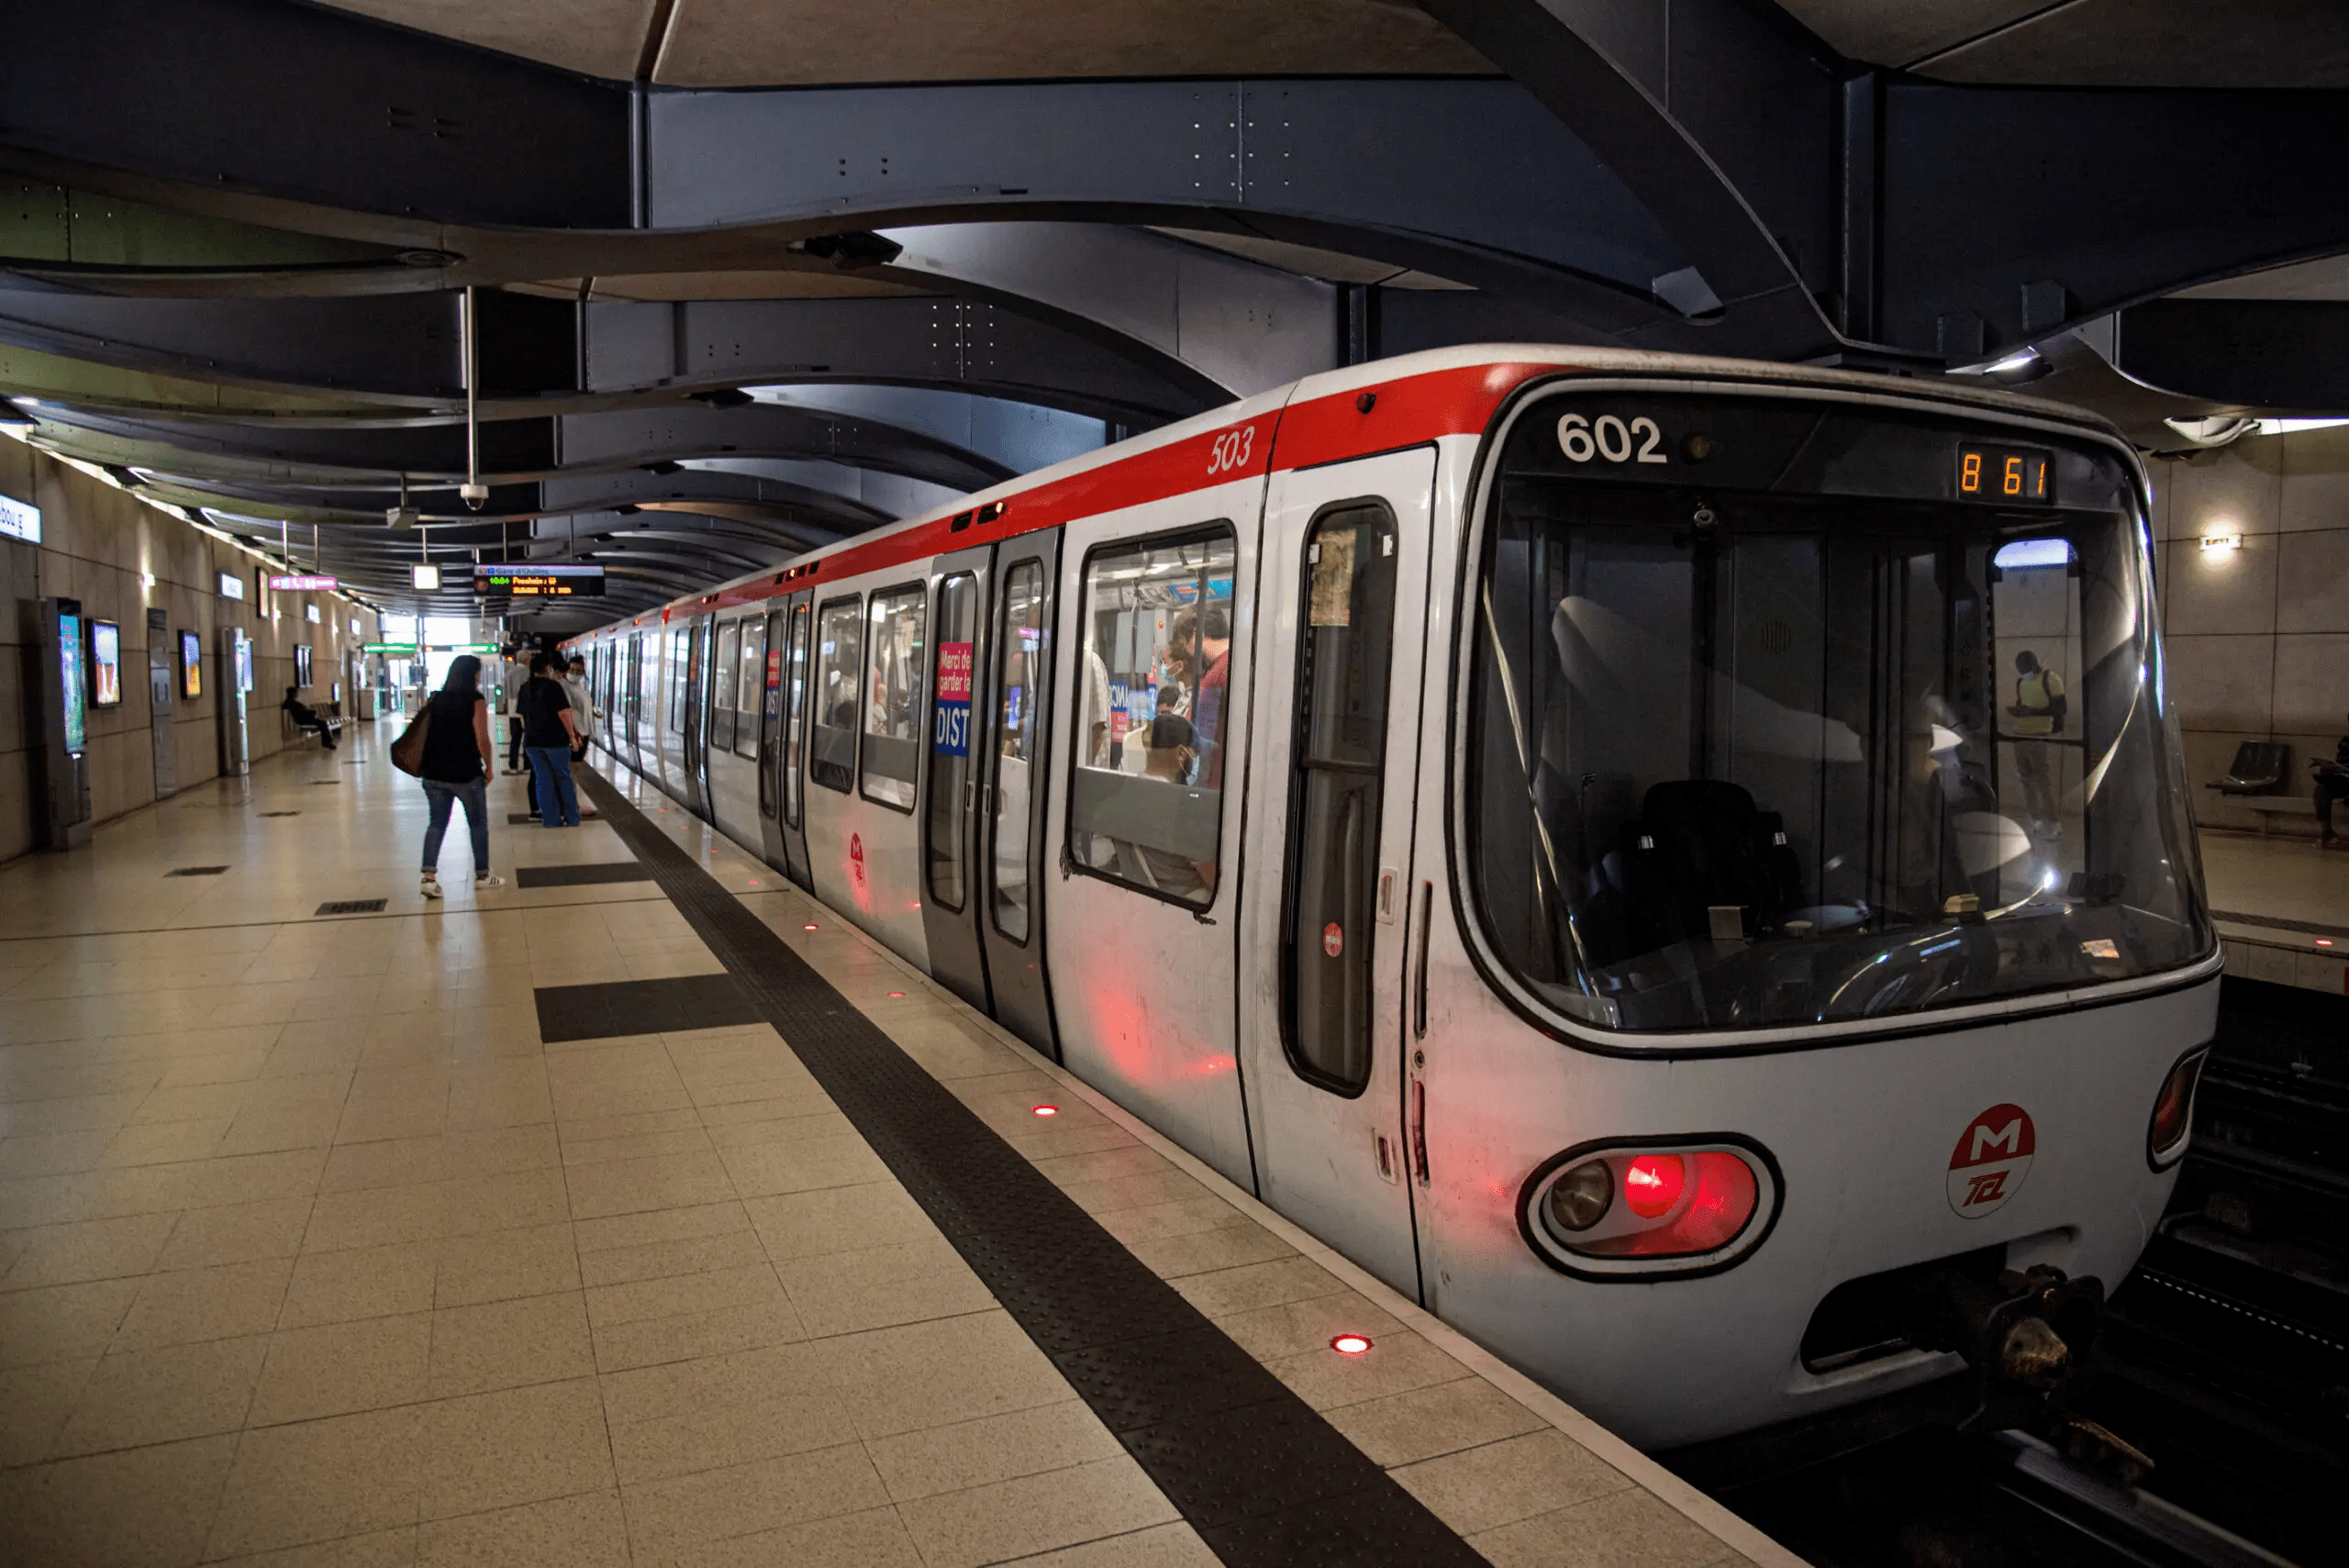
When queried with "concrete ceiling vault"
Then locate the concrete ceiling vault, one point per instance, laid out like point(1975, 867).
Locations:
point(752, 274)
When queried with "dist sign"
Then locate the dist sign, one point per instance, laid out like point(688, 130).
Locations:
point(950, 729)
point(856, 857)
point(1992, 1157)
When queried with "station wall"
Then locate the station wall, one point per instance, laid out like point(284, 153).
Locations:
point(2258, 636)
point(99, 545)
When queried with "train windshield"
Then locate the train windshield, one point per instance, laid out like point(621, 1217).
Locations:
point(1786, 712)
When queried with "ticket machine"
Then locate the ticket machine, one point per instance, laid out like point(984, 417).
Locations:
point(236, 680)
point(63, 777)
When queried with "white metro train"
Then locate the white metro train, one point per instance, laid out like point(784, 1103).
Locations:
point(1645, 854)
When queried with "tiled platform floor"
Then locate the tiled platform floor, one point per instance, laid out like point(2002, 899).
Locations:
point(313, 1252)
point(2281, 884)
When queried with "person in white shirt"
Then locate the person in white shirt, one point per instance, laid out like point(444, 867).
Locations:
point(582, 706)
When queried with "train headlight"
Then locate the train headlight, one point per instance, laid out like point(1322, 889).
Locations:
point(1580, 1199)
point(1688, 1205)
point(2173, 1121)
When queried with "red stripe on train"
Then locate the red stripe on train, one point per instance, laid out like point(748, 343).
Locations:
point(1302, 435)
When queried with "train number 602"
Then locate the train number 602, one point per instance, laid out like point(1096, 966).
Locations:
point(1611, 439)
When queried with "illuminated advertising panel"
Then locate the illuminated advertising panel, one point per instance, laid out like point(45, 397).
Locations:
point(191, 665)
point(302, 665)
point(106, 664)
point(69, 659)
point(244, 660)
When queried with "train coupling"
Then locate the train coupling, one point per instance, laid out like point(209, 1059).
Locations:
point(2028, 1335)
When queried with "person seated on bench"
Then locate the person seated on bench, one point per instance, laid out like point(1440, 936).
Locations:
point(304, 717)
point(2332, 784)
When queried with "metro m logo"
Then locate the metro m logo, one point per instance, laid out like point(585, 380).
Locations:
point(2008, 1138)
point(1992, 1156)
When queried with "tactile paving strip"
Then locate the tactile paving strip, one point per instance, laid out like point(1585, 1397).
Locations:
point(1262, 1477)
point(580, 875)
point(614, 1007)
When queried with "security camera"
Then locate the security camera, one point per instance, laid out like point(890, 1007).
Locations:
point(474, 492)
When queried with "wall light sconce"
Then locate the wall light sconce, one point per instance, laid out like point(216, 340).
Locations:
point(2221, 541)
point(146, 579)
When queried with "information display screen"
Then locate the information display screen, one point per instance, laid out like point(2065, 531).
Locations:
point(2006, 473)
point(302, 666)
point(106, 663)
point(244, 661)
point(191, 665)
point(527, 581)
point(69, 661)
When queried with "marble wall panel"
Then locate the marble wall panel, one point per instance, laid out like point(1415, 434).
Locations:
point(2222, 683)
point(2312, 580)
point(2223, 592)
point(2316, 479)
point(2311, 684)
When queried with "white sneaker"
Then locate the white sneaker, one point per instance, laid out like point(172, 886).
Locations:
point(432, 887)
point(487, 880)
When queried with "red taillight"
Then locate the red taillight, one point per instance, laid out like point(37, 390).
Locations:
point(2173, 1121)
point(1652, 1185)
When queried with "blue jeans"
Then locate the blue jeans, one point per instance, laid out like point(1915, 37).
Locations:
point(558, 796)
point(442, 796)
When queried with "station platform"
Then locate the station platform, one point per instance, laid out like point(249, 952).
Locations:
point(2281, 907)
point(641, 1211)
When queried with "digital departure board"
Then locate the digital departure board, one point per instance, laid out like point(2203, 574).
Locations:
point(2006, 473)
point(526, 580)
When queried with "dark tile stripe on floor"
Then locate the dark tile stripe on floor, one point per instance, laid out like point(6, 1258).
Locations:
point(642, 1006)
point(1257, 1472)
point(581, 876)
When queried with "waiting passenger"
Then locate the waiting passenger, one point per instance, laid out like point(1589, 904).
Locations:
point(2332, 784)
point(459, 763)
point(1215, 682)
point(547, 737)
point(304, 717)
point(583, 709)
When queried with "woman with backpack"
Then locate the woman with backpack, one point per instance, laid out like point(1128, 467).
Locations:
point(456, 765)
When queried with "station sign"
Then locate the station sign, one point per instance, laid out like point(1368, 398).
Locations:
point(527, 580)
point(302, 583)
point(231, 586)
point(18, 520)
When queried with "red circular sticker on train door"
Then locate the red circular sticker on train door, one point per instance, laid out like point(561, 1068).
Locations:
point(856, 857)
point(1992, 1157)
point(1333, 940)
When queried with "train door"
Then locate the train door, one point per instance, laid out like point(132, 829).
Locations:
point(693, 715)
point(770, 721)
point(951, 915)
point(1013, 854)
point(1143, 928)
point(792, 781)
point(1346, 547)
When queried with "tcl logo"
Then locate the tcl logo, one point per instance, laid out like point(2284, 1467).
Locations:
point(1992, 1157)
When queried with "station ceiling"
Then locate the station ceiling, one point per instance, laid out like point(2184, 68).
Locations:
point(750, 275)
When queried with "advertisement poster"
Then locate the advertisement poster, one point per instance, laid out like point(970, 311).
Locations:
point(302, 665)
point(951, 735)
point(244, 661)
point(69, 659)
point(191, 665)
point(106, 663)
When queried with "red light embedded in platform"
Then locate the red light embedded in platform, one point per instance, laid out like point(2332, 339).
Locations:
point(808, 927)
point(2324, 941)
point(1048, 1110)
point(894, 995)
point(1652, 1185)
point(1350, 1344)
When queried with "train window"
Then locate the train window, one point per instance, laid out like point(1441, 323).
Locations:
point(1345, 641)
point(1145, 807)
point(1819, 738)
point(949, 738)
point(1022, 661)
point(840, 670)
point(893, 707)
point(678, 680)
point(749, 676)
point(795, 714)
point(721, 695)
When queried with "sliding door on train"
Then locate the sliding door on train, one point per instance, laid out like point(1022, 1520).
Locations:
point(959, 584)
point(791, 784)
point(1346, 578)
point(1012, 707)
point(1142, 907)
